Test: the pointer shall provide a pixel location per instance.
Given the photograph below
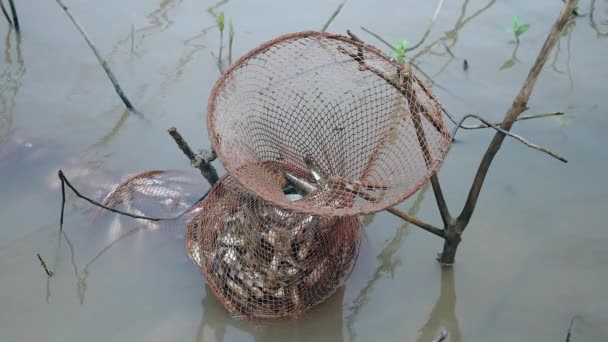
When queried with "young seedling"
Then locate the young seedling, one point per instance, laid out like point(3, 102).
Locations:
point(398, 52)
point(220, 24)
point(517, 28)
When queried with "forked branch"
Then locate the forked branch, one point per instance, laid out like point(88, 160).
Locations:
point(519, 106)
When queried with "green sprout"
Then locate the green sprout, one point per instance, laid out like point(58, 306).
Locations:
point(518, 28)
point(220, 22)
point(398, 52)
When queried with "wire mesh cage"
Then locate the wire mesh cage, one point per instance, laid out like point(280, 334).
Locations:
point(265, 262)
point(374, 129)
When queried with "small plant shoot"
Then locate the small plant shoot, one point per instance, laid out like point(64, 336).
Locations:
point(220, 22)
point(398, 52)
point(517, 28)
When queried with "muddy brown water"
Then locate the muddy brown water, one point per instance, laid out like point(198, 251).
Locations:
point(534, 255)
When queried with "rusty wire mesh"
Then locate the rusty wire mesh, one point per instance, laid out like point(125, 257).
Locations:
point(371, 126)
point(262, 261)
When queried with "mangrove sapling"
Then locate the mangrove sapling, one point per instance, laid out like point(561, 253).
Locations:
point(230, 41)
point(517, 28)
point(333, 16)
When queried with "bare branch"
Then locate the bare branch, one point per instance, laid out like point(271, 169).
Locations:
point(429, 228)
point(201, 161)
point(65, 181)
point(518, 106)
point(519, 118)
point(103, 63)
point(333, 16)
point(512, 135)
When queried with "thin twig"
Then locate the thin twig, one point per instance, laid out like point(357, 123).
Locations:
point(8, 18)
point(333, 16)
point(512, 135)
point(103, 63)
point(64, 179)
point(62, 203)
point(201, 161)
point(429, 228)
point(43, 264)
point(519, 118)
point(519, 105)
point(428, 30)
point(14, 12)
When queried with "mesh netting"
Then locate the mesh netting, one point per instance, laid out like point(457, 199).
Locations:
point(374, 130)
point(262, 261)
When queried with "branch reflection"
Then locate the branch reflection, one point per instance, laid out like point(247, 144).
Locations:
point(443, 314)
point(386, 266)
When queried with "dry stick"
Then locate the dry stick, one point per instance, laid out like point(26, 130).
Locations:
point(14, 12)
point(519, 105)
point(43, 264)
point(333, 16)
point(199, 161)
point(512, 135)
point(428, 227)
point(428, 30)
point(8, 18)
point(103, 63)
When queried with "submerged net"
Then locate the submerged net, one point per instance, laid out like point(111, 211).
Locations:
point(262, 261)
point(347, 128)
point(370, 125)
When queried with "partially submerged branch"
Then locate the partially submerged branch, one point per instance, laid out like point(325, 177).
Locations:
point(103, 63)
point(201, 160)
point(15, 18)
point(8, 18)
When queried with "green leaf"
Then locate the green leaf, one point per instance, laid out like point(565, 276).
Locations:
point(508, 64)
point(220, 21)
point(521, 29)
point(516, 22)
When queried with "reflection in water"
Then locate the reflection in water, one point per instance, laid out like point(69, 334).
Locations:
point(443, 314)
point(323, 320)
point(81, 277)
point(509, 63)
point(567, 32)
point(593, 23)
point(450, 38)
point(386, 264)
point(10, 83)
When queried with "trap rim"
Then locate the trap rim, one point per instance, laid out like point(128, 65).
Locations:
point(318, 210)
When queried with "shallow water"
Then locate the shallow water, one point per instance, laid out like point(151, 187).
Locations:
point(534, 255)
